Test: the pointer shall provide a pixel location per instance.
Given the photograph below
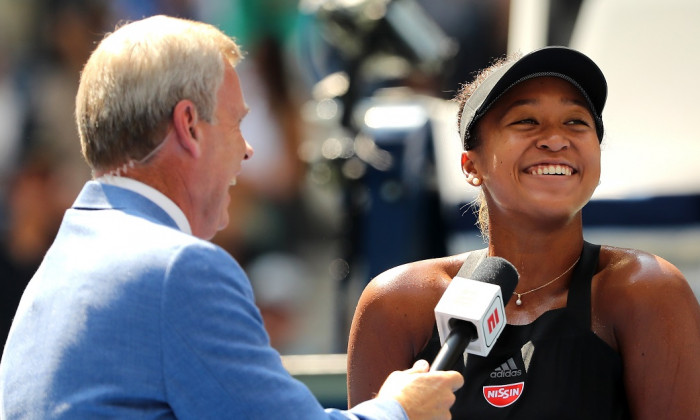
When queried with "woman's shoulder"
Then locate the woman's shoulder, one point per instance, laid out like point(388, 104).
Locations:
point(400, 302)
point(418, 279)
point(409, 292)
point(631, 269)
point(633, 286)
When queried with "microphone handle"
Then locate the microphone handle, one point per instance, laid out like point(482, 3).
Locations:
point(461, 334)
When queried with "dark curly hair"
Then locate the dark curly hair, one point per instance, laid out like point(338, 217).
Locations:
point(466, 90)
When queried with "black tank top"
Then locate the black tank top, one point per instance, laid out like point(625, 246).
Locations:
point(554, 368)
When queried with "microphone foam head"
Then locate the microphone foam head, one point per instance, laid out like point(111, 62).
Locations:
point(498, 271)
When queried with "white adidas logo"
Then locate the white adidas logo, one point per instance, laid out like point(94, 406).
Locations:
point(507, 370)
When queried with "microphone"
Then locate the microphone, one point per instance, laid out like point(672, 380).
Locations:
point(471, 313)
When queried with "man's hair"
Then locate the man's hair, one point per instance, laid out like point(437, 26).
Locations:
point(135, 77)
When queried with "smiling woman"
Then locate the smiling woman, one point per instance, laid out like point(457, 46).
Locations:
point(593, 327)
point(535, 127)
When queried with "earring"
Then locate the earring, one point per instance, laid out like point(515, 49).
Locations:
point(476, 181)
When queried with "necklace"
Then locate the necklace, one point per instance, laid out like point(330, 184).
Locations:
point(520, 302)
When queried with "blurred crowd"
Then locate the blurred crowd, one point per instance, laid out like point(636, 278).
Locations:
point(289, 224)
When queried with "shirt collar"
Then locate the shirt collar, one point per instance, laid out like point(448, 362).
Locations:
point(152, 194)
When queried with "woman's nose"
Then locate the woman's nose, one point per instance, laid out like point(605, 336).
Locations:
point(553, 140)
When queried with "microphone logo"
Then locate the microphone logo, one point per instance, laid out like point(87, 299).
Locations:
point(493, 322)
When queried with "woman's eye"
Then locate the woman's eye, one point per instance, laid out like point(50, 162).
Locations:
point(578, 122)
point(526, 121)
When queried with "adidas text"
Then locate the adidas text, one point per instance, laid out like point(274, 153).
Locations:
point(506, 373)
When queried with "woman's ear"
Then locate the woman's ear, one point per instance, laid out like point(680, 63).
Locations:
point(186, 126)
point(465, 161)
point(469, 169)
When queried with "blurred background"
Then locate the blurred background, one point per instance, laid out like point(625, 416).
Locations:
point(356, 165)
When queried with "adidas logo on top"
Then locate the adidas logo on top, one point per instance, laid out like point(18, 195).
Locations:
point(507, 370)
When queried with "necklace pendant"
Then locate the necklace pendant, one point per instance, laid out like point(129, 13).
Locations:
point(520, 302)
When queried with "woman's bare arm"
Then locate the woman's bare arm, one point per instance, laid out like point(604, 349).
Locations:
point(393, 321)
point(656, 320)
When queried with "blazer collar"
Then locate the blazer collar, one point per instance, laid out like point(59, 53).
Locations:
point(99, 196)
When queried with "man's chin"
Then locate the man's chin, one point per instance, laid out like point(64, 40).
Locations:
point(222, 226)
point(223, 222)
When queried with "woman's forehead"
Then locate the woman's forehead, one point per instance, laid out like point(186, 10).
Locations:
point(533, 90)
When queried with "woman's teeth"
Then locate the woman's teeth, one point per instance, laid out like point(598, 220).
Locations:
point(551, 170)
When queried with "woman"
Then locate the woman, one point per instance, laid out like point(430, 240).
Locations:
point(593, 332)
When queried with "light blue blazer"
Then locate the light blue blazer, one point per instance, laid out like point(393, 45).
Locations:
point(128, 317)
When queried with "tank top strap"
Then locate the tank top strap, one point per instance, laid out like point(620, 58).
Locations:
point(579, 299)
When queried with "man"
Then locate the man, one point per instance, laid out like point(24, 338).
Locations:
point(133, 313)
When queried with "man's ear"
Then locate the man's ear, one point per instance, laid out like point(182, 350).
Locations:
point(186, 126)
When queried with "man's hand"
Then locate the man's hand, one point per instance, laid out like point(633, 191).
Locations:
point(423, 394)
